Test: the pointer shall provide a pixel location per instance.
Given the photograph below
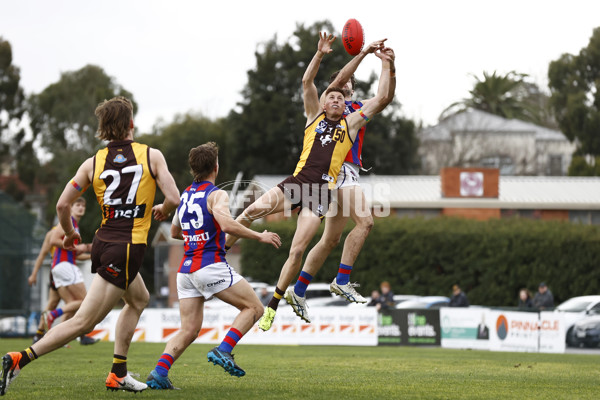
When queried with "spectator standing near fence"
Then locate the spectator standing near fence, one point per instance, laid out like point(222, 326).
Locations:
point(459, 298)
point(525, 302)
point(386, 300)
point(543, 299)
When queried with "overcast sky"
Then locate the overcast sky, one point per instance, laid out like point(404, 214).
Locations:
point(177, 56)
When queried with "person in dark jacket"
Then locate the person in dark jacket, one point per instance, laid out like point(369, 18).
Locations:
point(543, 299)
point(525, 302)
point(386, 300)
point(459, 298)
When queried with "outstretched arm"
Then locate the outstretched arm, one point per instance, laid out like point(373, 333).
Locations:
point(384, 96)
point(311, 97)
point(388, 78)
point(350, 68)
point(32, 279)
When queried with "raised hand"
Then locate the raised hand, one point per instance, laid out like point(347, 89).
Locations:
point(386, 53)
point(325, 43)
point(373, 47)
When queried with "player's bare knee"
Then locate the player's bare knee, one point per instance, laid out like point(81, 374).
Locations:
point(84, 324)
point(190, 334)
point(296, 254)
point(365, 224)
point(258, 310)
point(140, 301)
point(331, 242)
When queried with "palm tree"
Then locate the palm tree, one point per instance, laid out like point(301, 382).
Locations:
point(508, 96)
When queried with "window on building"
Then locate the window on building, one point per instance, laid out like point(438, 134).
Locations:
point(426, 213)
point(555, 165)
point(503, 163)
point(582, 217)
point(512, 213)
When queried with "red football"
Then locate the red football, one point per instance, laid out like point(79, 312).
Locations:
point(353, 37)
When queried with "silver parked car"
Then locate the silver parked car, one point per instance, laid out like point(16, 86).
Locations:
point(586, 332)
point(575, 309)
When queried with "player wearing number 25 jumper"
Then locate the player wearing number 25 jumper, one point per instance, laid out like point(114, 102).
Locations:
point(124, 176)
point(201, 221)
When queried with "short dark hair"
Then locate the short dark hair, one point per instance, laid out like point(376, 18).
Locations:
point(203, 160)
point(334, 89)
point(80, 199)
point(114, 118)
point(336, 73)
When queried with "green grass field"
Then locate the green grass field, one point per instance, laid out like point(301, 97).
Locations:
point(315, 372)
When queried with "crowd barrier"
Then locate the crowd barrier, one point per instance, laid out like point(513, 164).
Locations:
point(498, 330)
point(330, 326)
point(462, 328)
point(474, 328)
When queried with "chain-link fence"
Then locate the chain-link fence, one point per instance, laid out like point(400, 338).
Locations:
point(16, 257)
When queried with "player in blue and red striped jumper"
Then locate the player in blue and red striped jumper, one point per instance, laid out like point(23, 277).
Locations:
point(66, 275)
point(201, 221)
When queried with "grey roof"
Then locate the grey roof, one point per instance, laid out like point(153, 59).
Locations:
point(478, 121)
point(516, 192)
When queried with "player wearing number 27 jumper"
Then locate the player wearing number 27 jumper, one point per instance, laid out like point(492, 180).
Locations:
point(124, 176)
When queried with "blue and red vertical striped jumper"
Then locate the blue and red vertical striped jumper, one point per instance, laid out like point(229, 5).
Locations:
point(203, 237)
point(61, 254)
point(355, 154)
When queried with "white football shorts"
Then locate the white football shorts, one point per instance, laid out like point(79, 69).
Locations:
point(66, 274)
point(207, 281)
point(348, 176)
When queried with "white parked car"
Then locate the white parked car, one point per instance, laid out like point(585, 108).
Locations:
point(425, 302)
point(575, 309)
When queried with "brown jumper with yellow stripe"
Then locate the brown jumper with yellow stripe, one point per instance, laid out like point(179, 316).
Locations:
point(125, 187)
point(326, 144)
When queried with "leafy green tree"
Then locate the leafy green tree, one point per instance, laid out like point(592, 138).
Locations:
point(508, 96)
point(580, 167)
point(185, 132)
point(267, 133)
point(12, 97)
point(62, 115)
point(574, 82)
point(15, 151)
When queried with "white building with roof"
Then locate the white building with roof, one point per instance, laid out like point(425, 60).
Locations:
point(540, 197)
point(476, 138)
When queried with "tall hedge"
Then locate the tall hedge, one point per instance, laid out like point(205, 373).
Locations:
point(490, 260)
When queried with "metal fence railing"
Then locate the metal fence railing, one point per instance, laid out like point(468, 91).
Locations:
point(17, 244)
